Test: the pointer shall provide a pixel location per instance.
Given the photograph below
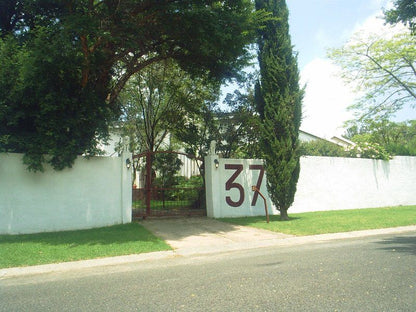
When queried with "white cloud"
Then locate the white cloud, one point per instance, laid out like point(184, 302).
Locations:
point(375, 26)
point(326, 99)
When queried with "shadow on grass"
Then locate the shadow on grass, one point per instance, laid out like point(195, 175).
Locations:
point(261, 219)
point(117, 234)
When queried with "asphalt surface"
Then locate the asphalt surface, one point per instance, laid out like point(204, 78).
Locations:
point(358, 273)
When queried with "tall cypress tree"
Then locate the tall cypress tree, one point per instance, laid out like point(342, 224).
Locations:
point(279, 103)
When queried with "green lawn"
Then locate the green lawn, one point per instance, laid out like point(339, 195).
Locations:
point(32, 249)
point(312, 223)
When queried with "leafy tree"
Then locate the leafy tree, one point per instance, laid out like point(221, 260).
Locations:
point(391, 138)
point(198, 130)
point(240, 127)
point(404, 11)
point(162, 104)
point(364, 148)
point(279, 101)
point(195, 134)
point(383, 70)
point(167, 165)
point(321, 148)
point(160, 99)
point(43, 111)
point(73, 58)
point(191, 190)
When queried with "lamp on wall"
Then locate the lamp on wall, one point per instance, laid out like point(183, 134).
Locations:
point(216, 163)
point(128, 163)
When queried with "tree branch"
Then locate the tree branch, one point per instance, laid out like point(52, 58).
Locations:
point(133, 68)
point(401, 83)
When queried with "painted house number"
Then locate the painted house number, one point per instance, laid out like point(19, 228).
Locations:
point(231, 184)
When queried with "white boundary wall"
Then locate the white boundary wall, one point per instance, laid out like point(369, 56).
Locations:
point(95, 192)
point(325, 183)
point(334, 183)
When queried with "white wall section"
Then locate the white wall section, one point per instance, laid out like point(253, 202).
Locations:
point(325, 183)
point(95, 192)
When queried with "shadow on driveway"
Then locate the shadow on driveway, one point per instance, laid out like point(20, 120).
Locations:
point(200, 232)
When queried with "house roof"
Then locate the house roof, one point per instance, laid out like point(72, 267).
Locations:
point(311, 135)
point(342, 141)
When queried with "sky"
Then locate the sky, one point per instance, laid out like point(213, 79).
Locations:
point(315, 26)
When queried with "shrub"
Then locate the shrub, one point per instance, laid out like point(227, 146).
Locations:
point(321, 148)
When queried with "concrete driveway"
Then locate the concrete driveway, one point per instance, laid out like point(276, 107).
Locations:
point(204, 235)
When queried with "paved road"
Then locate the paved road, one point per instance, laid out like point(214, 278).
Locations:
point(375, 273)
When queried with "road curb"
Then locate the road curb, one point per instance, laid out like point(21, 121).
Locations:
point(83, 264)
point(293, 241)
point(184, 252)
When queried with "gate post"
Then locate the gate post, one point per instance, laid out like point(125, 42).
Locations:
point(148, 181)
point(126, 186)
point(212, 187)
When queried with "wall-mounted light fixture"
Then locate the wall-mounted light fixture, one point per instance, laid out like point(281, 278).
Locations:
point(128, 163)
point(216, 163)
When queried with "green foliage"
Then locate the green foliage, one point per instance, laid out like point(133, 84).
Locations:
point(404, 11)
point(364, 148)
point(64, 63)
point(382, 70)
point(279, 103)
point(200, 35)
point(43, 111)
point(240, 127)
point(190, 189)
point(167, 165)
point(384, 137)
point(198, 130)
point(321, 148)
point(158, 101)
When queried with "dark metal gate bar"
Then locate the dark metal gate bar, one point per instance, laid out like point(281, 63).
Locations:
point(152, 198)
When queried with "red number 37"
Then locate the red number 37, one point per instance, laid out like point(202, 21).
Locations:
point(231, 184)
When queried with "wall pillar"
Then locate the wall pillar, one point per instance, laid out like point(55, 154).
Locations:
point(212, 185)
point(126, 185)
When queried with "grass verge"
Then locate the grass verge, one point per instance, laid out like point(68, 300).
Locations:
point(117, 240)
point(313, 223)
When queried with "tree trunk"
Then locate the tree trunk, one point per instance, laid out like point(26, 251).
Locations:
point(283, 215)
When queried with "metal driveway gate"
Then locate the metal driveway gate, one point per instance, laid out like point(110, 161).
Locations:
point(167, 183)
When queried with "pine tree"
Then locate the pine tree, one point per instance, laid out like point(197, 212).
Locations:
point(279, 102)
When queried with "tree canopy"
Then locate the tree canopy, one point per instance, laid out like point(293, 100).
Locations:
point(44, 112)
point(395, 138)
point(240, 126)
point(383, 70)
point(160, 101)
point(64, 63)
point(404, 11)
